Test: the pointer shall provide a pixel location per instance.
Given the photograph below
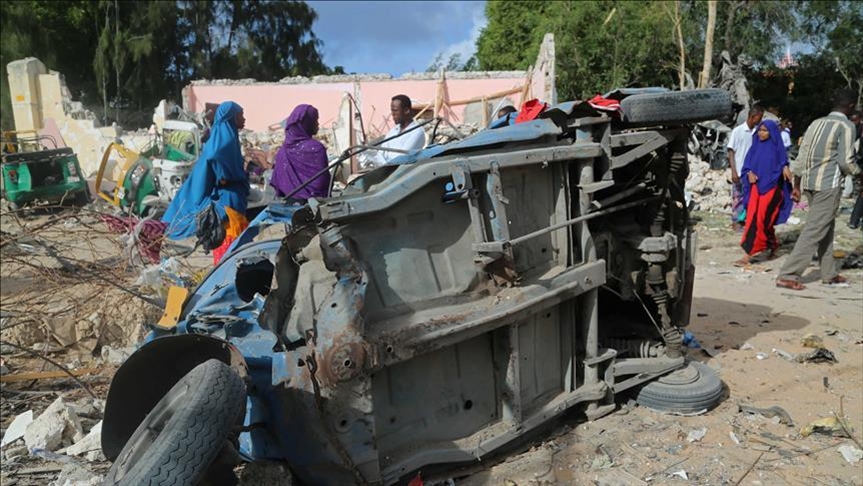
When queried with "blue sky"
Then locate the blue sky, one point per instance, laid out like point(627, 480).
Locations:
point(395, 37)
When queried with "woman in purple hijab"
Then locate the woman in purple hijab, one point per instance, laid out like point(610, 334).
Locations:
point(301, 157)
point(766, 182)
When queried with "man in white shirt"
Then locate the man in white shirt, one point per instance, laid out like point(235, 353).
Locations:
point(404, 135)
point(738, 146)
point(786, 134)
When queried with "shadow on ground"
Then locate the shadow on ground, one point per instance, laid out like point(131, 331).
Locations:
point(726, 324)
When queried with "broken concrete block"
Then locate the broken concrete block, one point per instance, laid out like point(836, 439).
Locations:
point(89, 407)
point(77, 475)
point(90, 446)
point(14, 452)
point(58, 424)
point(17, 428)
point(116, 356)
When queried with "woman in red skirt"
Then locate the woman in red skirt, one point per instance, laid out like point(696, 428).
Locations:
point(766, 180)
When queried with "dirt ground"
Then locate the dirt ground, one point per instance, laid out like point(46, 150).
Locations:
point(732, 307)
point(70, 313)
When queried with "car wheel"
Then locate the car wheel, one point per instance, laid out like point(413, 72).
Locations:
point(677, 107)
point(689, 390)
point(182, 436)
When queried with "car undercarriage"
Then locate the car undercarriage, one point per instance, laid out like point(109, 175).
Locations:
point(448, 304)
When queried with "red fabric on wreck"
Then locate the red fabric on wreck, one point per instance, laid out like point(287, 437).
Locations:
point(605, 104)
point(762, 212)
point(530, 110)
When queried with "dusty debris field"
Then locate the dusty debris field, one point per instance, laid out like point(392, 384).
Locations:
point(71, 311)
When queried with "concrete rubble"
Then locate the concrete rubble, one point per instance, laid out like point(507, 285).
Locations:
point(77, 475)
point(90, 447)
point(708, 188)
point(17, 428)
point(56, 426)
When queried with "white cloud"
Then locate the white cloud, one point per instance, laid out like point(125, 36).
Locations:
point(466, 47)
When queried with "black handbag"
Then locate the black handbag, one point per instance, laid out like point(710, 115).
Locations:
point(209, 228)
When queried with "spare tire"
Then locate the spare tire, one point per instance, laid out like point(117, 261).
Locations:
point(181, 437)
point(676, 107)
point(690, 390)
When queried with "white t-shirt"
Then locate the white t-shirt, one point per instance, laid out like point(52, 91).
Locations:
point(410, 141)
point(786, 138)
point(740, 141)
point(413, 140)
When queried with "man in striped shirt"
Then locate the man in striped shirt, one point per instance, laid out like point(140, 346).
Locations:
point(826, 157)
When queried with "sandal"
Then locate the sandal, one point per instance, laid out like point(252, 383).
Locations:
point(838, 281)
point(743, 262)
point(789, 284)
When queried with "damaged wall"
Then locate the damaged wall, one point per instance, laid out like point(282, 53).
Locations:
point(41, 101)
point(459, 97)
point(267, 104)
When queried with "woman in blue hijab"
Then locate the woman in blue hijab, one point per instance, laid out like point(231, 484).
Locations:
point(218, 177)
point(766, 182)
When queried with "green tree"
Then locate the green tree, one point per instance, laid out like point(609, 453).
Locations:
point(756, 28)
point(452, 63)
point(61, 34)
point(599, 45)
point(132, 54)
point(605, 44)
point(835, 28)
point(511, 38)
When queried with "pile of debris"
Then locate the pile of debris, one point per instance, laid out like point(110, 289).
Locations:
point(64, 438)
point(709, 189)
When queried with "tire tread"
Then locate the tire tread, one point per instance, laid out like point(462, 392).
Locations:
point(194, 435)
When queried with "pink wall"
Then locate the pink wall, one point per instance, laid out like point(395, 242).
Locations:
point(267, 104)
point(376, 96)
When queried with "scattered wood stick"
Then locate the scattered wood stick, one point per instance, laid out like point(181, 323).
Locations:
point(46, 375)
point(58, 365)
point(806, 453)
point(749, 470)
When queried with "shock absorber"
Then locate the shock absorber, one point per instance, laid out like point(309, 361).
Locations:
point(659, 293)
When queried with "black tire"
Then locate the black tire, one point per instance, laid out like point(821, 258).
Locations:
point(676, 107)
point(183, 434)
point(689, 390)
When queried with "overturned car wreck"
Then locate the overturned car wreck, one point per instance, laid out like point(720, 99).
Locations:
point(437, 310)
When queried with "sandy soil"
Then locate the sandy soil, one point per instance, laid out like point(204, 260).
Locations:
point(732, 307)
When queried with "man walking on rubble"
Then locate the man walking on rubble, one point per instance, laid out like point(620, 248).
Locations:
point(826, 157)
point(738, 145)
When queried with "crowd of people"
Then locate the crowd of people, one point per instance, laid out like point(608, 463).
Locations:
point(766, 183)
point(211, 204)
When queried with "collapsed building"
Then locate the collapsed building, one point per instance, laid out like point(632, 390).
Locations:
point(353, 108)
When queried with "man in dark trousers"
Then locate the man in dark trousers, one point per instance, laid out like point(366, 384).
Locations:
point(826, 157)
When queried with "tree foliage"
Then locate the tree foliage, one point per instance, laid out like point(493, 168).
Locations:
point(601, 45)
point(140, 52)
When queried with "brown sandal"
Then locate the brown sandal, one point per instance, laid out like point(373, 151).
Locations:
point(789, 284)
point(743, 262)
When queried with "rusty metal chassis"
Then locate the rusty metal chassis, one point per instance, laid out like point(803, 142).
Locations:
point(339, 364)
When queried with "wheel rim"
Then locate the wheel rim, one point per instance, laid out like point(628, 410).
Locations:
point(156, 420)
point(683, 376)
